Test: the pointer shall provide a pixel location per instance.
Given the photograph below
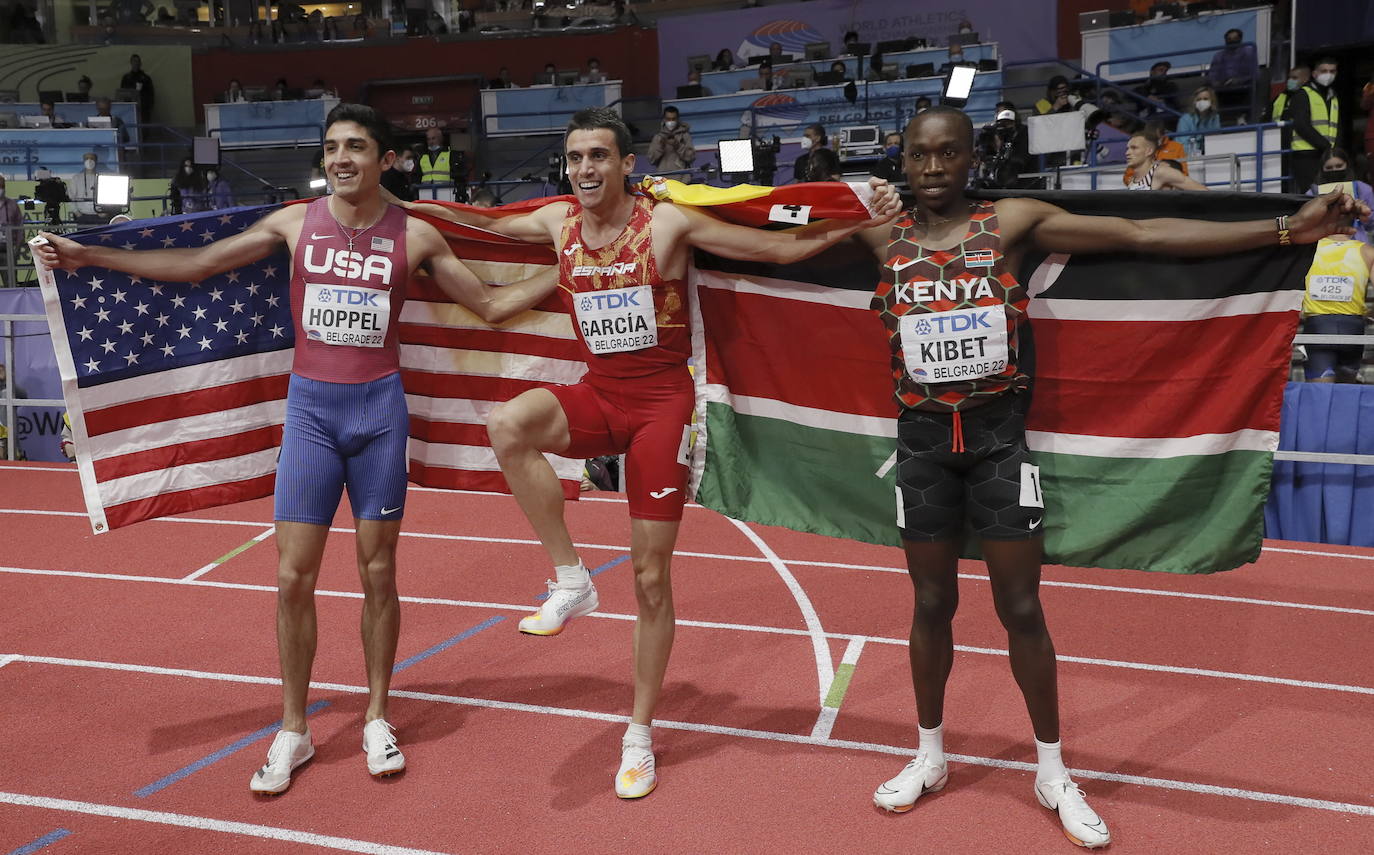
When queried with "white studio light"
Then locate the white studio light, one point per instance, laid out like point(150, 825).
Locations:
point(112, 191)
point(319, 183)
point(958, 85)
point(736, 156)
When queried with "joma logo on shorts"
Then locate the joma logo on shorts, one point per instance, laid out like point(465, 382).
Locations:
point(620, 268)
point(353, 265)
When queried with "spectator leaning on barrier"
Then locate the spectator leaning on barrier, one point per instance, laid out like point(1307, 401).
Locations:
point(1316, 115)
point(1337, 174)
point(671, 148)
point(1202, 115)
point(1334, 304)
point(1232, 74)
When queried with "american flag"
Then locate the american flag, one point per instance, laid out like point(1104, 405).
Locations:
point(177, 391)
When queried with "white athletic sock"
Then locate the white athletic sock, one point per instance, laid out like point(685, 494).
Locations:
point(639, 734)
point(573, 575)
point(1049, 763)
point(932, 743)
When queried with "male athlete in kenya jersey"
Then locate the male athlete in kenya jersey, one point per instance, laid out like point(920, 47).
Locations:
point(954, 312)
point(623, 260)
point(346, 422)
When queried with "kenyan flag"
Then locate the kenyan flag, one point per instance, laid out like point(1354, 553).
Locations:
point(1155, 408)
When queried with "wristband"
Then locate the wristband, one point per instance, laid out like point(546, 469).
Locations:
point(1281, 223)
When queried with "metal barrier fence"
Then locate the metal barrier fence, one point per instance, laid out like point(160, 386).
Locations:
point(9, 405)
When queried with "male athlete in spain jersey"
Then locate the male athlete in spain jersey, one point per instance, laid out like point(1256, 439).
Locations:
point(954, 313)
point(346, 421)
point(624, 259)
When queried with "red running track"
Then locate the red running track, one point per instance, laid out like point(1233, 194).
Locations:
point(1211, 714)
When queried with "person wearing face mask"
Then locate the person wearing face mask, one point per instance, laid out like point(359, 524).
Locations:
point(1337, 174)
point(1316, 117)
point(890, 167)
point(1201, 117)
point(438, 164)
point(812, 138)
point(1279, 110)
point(81, 190)
point(1231, 74)
point(187, 189)
point(218, 193)
point(400, 178)
point(671, 148)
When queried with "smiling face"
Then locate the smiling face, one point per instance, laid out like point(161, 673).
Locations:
point(596, 167)
point(939, 152)
point(353, 160)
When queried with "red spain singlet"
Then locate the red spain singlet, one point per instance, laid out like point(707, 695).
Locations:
point(953, 317)
point(630, 320)
point(347, 289)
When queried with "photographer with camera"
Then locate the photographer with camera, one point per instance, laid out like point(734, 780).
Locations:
point(671, 149)
point(1002, 149)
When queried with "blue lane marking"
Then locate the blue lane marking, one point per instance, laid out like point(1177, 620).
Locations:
point(185, 771)
point(445, 645)
point(614, 562)
point(50, 837)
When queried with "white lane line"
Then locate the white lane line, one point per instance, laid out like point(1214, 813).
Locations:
point(698, 727)
point(228, 555)
point(825, 670)
point(801, 562)
point(205, 823)
point(5, 660)
point(830, 706)
point(71, 468)
point(733, 627)
point(1317, 552)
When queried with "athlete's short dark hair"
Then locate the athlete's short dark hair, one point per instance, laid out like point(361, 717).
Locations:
point(601, 118)
point(369, 118)
point(959, 117)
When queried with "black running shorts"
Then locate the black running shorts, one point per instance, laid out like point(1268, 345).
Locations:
point(991, 483)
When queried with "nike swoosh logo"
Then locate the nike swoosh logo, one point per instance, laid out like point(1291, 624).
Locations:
point(314, 236)
point(1035, 522)
point(898, 268)
point(659, 494)
point(389, 511)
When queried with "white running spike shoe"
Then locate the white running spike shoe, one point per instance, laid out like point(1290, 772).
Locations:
point(1081, 823)
point(920, 776)
point(563, 604)
point(288, 751)
point(636, 778)
point(379, 743)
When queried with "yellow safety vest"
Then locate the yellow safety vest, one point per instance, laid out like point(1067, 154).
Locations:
point(1339, 273)
point(1324, 120)
point(435, 169)
point(1280, 104)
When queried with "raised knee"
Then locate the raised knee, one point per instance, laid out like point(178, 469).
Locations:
point(504, 427)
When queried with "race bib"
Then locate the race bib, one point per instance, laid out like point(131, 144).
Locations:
point(617, 320)
point(1331, 289)
point(343, 314)
point(961, 344)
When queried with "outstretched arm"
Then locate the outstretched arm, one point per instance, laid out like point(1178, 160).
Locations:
point(1049, 228)
point(265, 237)
point(782, 247)
point(1174, 179)
point(538, 226)
point(492, 304)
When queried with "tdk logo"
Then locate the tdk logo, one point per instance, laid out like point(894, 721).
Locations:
point(352, 265)
point(954, 323)
point(620, 268)
point(611, 300)
point(347, 297)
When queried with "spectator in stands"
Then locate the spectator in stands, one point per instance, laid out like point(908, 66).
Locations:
point(876, 70)
point(320, 89)
point(1316, 116)
point(922, 104)
point(361, 28)
point(694, 79)
point(102, 108)
point(812, 138)
point(81, 189)
point(956, 57)
point(548, 75)
point(256, 34)
point(83, 90)
point(280, 33)
point(187, 189)
point(840, 71)
point(593, 74)
point(1148, 170)
point(671, 148)
point(851, 43)
point(1337, 174)
point(281, 91)
point(1160, 94)
point(11, 218)
point(1298, 77)
point(439, 164)
point(1232, 75)
point(234, 94)
point(890, 167)
point(49, 109)
point(138, 79)
point(502, 80)
point(400, 178)
point(437, 25)
point(822, 164)
point(1202, 115)
point(218, 193)
point(775, 52)
point(1058, 98)
point(725, 60)
point(965, 27)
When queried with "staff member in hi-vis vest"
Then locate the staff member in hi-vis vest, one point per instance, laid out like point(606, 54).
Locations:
point(1316, 115)
point(440, 165)
point(1335, 305)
